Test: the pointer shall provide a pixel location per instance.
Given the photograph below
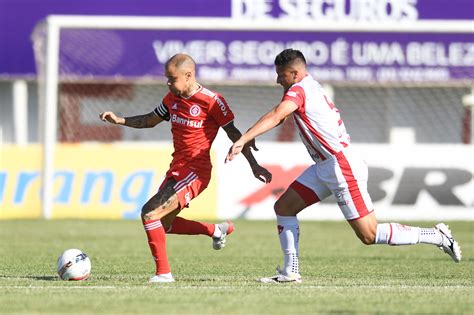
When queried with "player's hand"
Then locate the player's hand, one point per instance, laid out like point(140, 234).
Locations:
point(252, 144)
point(235, 149)
point(261, 173)
point(111, 118)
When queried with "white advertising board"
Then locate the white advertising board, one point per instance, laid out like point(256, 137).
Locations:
point(406, 182)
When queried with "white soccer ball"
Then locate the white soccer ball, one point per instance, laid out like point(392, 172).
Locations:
point(74, 264)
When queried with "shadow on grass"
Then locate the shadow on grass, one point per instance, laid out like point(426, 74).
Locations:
point(41, 278)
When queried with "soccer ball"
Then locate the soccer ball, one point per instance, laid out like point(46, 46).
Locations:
point(74, 264)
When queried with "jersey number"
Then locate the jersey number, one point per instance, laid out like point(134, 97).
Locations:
point(331, 104)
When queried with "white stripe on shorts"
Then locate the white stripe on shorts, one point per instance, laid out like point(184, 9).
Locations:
point(184, 182)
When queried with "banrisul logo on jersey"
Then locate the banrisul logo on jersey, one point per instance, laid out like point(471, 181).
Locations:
point(186, 121)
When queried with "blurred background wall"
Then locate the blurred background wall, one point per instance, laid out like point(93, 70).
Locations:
point(400, 91)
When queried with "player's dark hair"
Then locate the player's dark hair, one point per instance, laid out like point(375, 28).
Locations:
point(289, 56)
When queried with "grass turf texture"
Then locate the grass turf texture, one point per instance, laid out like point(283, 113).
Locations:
point(340, 275)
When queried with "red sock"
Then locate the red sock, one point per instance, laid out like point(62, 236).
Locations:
point(183, 226)
point(157, 242)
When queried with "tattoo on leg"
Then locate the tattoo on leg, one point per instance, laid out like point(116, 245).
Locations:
point(163, 200)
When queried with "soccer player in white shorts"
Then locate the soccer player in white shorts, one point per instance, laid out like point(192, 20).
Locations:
point(337, 170)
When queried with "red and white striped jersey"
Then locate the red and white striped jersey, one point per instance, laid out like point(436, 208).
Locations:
point(318, 121)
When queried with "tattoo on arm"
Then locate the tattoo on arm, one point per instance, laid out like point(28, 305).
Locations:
point(140, 121)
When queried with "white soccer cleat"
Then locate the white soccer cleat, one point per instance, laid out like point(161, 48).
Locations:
point(163, 278)
point(449, 246)
point(226, 228)
point(281, 278)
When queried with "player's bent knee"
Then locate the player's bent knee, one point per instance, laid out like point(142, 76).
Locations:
point(367, 239)
point(284, 209)
point(279, 208)
point(276, 208)
point(147, 217)
point(147, 213)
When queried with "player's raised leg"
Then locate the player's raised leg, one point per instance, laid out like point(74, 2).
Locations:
point(188, 185)
point(218, 231)
point(160, 205)
point(184, 226)
point(371, 232)
point(350, 190)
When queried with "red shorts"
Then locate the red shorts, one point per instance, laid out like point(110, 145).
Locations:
point(188, 184)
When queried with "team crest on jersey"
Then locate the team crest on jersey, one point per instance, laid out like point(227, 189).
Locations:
point(195, 110)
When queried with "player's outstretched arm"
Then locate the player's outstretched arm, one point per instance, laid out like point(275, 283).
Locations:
point(149, 120)
point(259, 172)
point(268, 121)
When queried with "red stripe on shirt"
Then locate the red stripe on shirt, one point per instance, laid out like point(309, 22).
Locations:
point(300, 100)
point(318, 136)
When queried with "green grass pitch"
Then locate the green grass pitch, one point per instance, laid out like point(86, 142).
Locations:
point(340, 274)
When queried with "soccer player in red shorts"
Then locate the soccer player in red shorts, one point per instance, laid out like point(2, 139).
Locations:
point(196, 114)
point(338, 170)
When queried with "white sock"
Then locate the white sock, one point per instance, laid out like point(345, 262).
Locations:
point(397, 234)
point(289, 233)
point(431, 236)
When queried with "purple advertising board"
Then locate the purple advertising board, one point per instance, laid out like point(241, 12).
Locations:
point(249, 56)
point(449, 56)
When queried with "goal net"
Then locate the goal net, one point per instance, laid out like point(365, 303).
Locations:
point(87, 66)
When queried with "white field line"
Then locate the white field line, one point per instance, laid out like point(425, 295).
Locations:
point(207, 287)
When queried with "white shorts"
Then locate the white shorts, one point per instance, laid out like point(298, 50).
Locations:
point(345, 176)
